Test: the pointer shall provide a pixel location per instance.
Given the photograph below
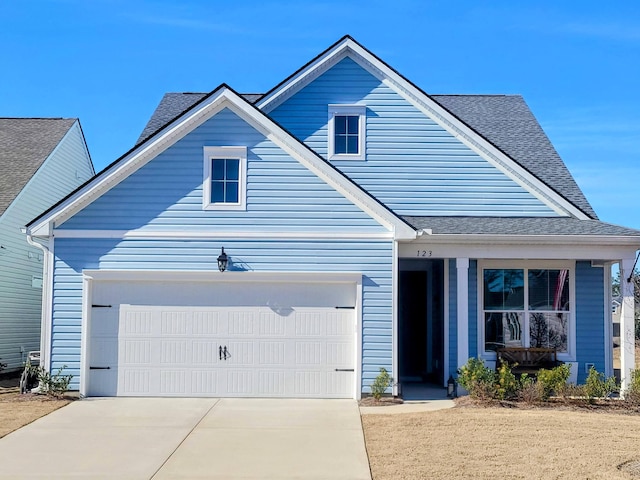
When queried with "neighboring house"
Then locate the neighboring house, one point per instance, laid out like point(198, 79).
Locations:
point(366, 224)
point(41, 161)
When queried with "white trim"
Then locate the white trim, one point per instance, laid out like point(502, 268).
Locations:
point(219, 153)
point(394, 319)
point(358, 335)
point(85, 334)
point(608, 321)
point(432, 109)
point(215, 276)
point(446, 321)
point(462, 293)
point(187, 234)
point(531, 248)
point(224, 98)
point(627, 334)
point(570, 265)
point(350, 110)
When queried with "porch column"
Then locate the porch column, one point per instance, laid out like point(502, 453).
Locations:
point(462, 276)
point(627, 327)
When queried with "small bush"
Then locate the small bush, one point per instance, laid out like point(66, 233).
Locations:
point(54, 385)
point(632, 393)
point(479, 380)
point(551, 381)
point(530, 391)
point(508, 385)
point(2, 365)
point(381, 383)
point(597, 386)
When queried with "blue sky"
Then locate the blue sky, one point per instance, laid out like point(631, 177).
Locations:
point(108, 62)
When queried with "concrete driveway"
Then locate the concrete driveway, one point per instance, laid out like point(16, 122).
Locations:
point(158, 438)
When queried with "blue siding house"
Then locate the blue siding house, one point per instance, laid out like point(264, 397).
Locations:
point(291, 244)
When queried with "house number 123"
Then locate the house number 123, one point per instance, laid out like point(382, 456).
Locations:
point(425, 253)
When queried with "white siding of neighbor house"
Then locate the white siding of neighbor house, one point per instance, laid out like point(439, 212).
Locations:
point(21, 264)
point(413, 165)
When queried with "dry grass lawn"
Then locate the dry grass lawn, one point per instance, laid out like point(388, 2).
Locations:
point(501, 443)
point(18, 410)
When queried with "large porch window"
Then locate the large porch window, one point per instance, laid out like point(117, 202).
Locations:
point(526, 307)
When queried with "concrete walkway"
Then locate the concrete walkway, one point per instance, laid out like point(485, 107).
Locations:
point(418, 397)
point(135, 438)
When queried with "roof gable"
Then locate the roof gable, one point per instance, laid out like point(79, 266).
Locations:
point(348, 47)
point(208, 106)
point(25, 144)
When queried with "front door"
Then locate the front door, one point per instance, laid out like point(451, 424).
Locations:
point(421, 321)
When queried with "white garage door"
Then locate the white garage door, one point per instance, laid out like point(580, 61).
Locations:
point(173, 349)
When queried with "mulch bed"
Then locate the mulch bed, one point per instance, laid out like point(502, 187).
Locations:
point(383, 402)
point(568, 404)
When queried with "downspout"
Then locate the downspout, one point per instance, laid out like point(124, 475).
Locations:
point(44, 334)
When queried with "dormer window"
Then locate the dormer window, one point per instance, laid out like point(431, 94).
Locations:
point(224, 185)
point(347, 132)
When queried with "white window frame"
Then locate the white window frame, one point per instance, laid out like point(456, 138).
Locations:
point(352, 110)
point(213, 153)
point(570, 354)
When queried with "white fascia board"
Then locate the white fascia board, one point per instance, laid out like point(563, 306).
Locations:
point(323, 170)
point(204, 235)
point(451, 246)
point(429, 107)
point(595, 240)
point(128, 165)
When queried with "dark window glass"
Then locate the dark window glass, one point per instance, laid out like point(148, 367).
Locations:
point(346, 134)
point(217, 170)
point(504, 289)
point(231, 194)
point(549, 330)
point(503, 329)
point(549, 290)
point(225, 180)
point(352, 125)
point(217, 192)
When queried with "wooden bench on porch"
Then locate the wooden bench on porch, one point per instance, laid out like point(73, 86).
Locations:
point(527, 360)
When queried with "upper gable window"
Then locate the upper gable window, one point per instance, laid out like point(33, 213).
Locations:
point(347, 132)
point(224, 178)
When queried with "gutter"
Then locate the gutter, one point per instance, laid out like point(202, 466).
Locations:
point(46, 304)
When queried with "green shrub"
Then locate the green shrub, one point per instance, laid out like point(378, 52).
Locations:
point(508, 385)
point(381, 383)
point(2, 365)
point(551, 381)
point(54, 385)
point(597, 386)
point(479, 380)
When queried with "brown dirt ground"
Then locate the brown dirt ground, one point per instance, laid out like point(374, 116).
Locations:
point(18, 410)
point(505, 443)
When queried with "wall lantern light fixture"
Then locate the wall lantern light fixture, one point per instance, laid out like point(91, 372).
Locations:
point(223, 261)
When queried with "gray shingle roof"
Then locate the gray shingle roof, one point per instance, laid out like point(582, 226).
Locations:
point(519, 226)
point(25, 143)
point(504, 120)
point(507, 122)
point(172, 105)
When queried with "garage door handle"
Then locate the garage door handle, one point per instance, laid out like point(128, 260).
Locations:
point(344, 370)
point(99, 368)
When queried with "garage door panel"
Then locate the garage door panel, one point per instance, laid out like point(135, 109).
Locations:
point(174, 350)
